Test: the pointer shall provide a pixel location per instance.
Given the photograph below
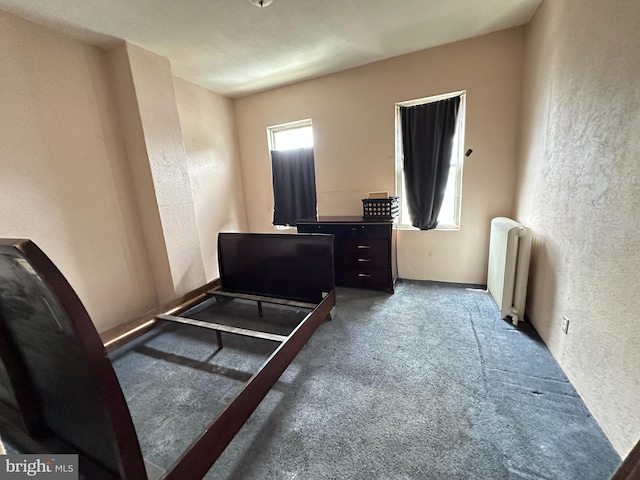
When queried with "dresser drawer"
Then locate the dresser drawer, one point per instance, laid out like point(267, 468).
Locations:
point(365, 231)
point(365, 277)
point(361, 246)
point(319, 228)
point(360, 261)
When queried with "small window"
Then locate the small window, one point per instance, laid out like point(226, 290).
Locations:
point(293, 172)
point(291, 135)
point(449, 217)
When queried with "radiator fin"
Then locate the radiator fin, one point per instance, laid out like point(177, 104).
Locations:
point(508, 269)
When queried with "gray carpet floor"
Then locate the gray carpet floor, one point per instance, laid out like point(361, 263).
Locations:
point(428, 383)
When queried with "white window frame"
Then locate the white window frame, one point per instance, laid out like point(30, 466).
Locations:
point(457, 159)
point(274, 129)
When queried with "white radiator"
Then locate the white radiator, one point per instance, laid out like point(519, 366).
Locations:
point(509, 253)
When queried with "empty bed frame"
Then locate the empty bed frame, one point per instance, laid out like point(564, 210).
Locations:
point(58, 389)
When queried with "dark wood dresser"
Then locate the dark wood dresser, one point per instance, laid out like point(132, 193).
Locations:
point(365, 250)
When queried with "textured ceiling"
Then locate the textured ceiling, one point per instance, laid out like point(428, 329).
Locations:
point(235, 48)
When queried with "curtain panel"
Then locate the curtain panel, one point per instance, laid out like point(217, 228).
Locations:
point(294, 185)
point(428, 132)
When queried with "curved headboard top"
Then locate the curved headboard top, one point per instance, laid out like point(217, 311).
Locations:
point(64, 384)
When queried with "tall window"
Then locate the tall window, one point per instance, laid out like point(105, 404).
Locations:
point(292, 167)
point(449, 216)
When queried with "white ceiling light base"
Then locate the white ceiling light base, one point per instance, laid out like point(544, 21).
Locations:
point(261, 3)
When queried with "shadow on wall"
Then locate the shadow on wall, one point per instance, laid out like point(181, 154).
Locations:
point(542, 288)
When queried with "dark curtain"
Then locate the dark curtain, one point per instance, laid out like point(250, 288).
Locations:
point(294, 185)
point(428, 131)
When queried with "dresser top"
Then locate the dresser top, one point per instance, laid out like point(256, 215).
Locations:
point(353, 219)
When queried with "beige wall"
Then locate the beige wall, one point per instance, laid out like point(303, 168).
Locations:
point(155, 95)
point(140, 170)
point(579, 190)
point(64, 179)
point(94, 168)
point(214, 167)
point(353, 121)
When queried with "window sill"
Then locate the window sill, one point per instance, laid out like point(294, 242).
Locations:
point(445, 228)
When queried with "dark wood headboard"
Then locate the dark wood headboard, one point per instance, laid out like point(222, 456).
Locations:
point(57, 376)
point(294, 267)
point(63, 383)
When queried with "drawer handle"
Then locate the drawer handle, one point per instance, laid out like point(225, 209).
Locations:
point(363, 260)
point(364, 246)
point(364, 275)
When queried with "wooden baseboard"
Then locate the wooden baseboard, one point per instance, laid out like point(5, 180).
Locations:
point(630, 467)
point(131, 329)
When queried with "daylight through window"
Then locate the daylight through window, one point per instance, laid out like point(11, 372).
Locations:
point(291, 135)
point(449, 217)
